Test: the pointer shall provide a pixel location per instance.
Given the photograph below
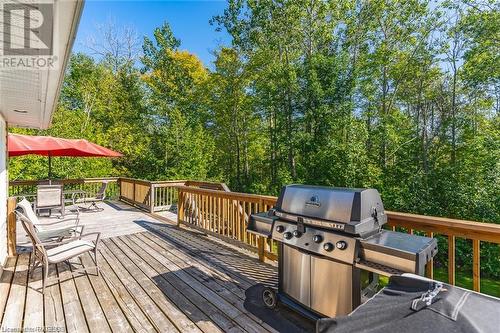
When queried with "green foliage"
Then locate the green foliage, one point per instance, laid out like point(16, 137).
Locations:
point(402, 96)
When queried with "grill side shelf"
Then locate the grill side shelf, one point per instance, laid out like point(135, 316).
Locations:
point(261, 224)
point(409, 253)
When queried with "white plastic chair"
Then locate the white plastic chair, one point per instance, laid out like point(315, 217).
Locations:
point(49, 197)
point(54, 252)
point(51, 230)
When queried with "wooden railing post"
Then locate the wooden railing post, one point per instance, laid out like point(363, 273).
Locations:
point(261, 248)
point(151, 197)
point(476, 265)
point(133, 193)
point(11, 226)
point(180, 207)
point(119, 187)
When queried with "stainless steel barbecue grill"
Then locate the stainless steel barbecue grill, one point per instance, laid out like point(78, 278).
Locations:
point(332, 248)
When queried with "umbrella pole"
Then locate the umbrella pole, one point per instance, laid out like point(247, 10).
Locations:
point(50, 169)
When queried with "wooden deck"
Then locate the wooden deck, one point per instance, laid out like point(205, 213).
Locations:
point(116, 219)
point(155, 277)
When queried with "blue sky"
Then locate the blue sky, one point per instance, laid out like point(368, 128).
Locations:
point(188, 19)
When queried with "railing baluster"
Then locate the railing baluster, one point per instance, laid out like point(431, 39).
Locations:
point(476, 265)
point(211, 218)
point(196, 202)
point(241, 221)
point(187, 198)
point(207, 214)
point(234, 220)
point(160, 196)
point(180, 209)
point(202, 207)
point(429, 268)
point(229, 208)
point(227, 217)
point(245, 209)
point(451, 260)
point(200, 210)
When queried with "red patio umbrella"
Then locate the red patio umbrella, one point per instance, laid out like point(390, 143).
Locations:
point(19, 145)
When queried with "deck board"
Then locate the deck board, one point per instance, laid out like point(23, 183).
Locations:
point(152, 268)
point(14, 310)
point(210, 281)
point(155, 277)
point(114, 315)
point(5, 283)
point(172, 313)
point(133, 312)
point(53, 309)
point(149, 308)
point(94, 315)
point(73, 311)
point(33, 313)
point(202, 287)
point(116, 219)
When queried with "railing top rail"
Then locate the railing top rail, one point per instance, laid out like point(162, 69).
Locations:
point(229, 195)
point(133, 180)
point(167, 184)
point(468, 229)
point(169, 181)
point(62, 181)
point(208, 185)
point(484, 231)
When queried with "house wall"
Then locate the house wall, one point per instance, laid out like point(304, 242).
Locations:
point(3, 192)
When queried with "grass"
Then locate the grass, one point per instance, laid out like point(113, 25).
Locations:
point(464, 280)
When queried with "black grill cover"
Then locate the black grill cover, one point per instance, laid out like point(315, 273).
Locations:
point(452, 310)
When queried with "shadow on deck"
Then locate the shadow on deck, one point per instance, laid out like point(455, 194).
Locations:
point(155, 277)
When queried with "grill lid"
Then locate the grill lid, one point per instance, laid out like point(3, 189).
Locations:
point(355, 211)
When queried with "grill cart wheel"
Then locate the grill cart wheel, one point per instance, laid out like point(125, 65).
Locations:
point(269, 298)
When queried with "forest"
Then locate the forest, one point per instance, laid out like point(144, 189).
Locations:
point(402, 96)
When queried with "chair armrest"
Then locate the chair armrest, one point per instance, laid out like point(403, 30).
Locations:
point(70, 239)
point(96, 234)
point(56, 233)
point(61, 233)
point(61, 242)
point(53, 243)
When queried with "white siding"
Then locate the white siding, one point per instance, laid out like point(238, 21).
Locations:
point(3, 191)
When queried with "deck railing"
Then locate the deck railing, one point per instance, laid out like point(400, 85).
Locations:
point(213, 208)
point(152, 196)
point(226, 215)
point(156, 196)
point(27, 188)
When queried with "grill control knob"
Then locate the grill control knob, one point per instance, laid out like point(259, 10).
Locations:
point(341, 245)
point(317, 239)
point(297, 233)
point(287, 235)
point(280, 229)
point(328, 247)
